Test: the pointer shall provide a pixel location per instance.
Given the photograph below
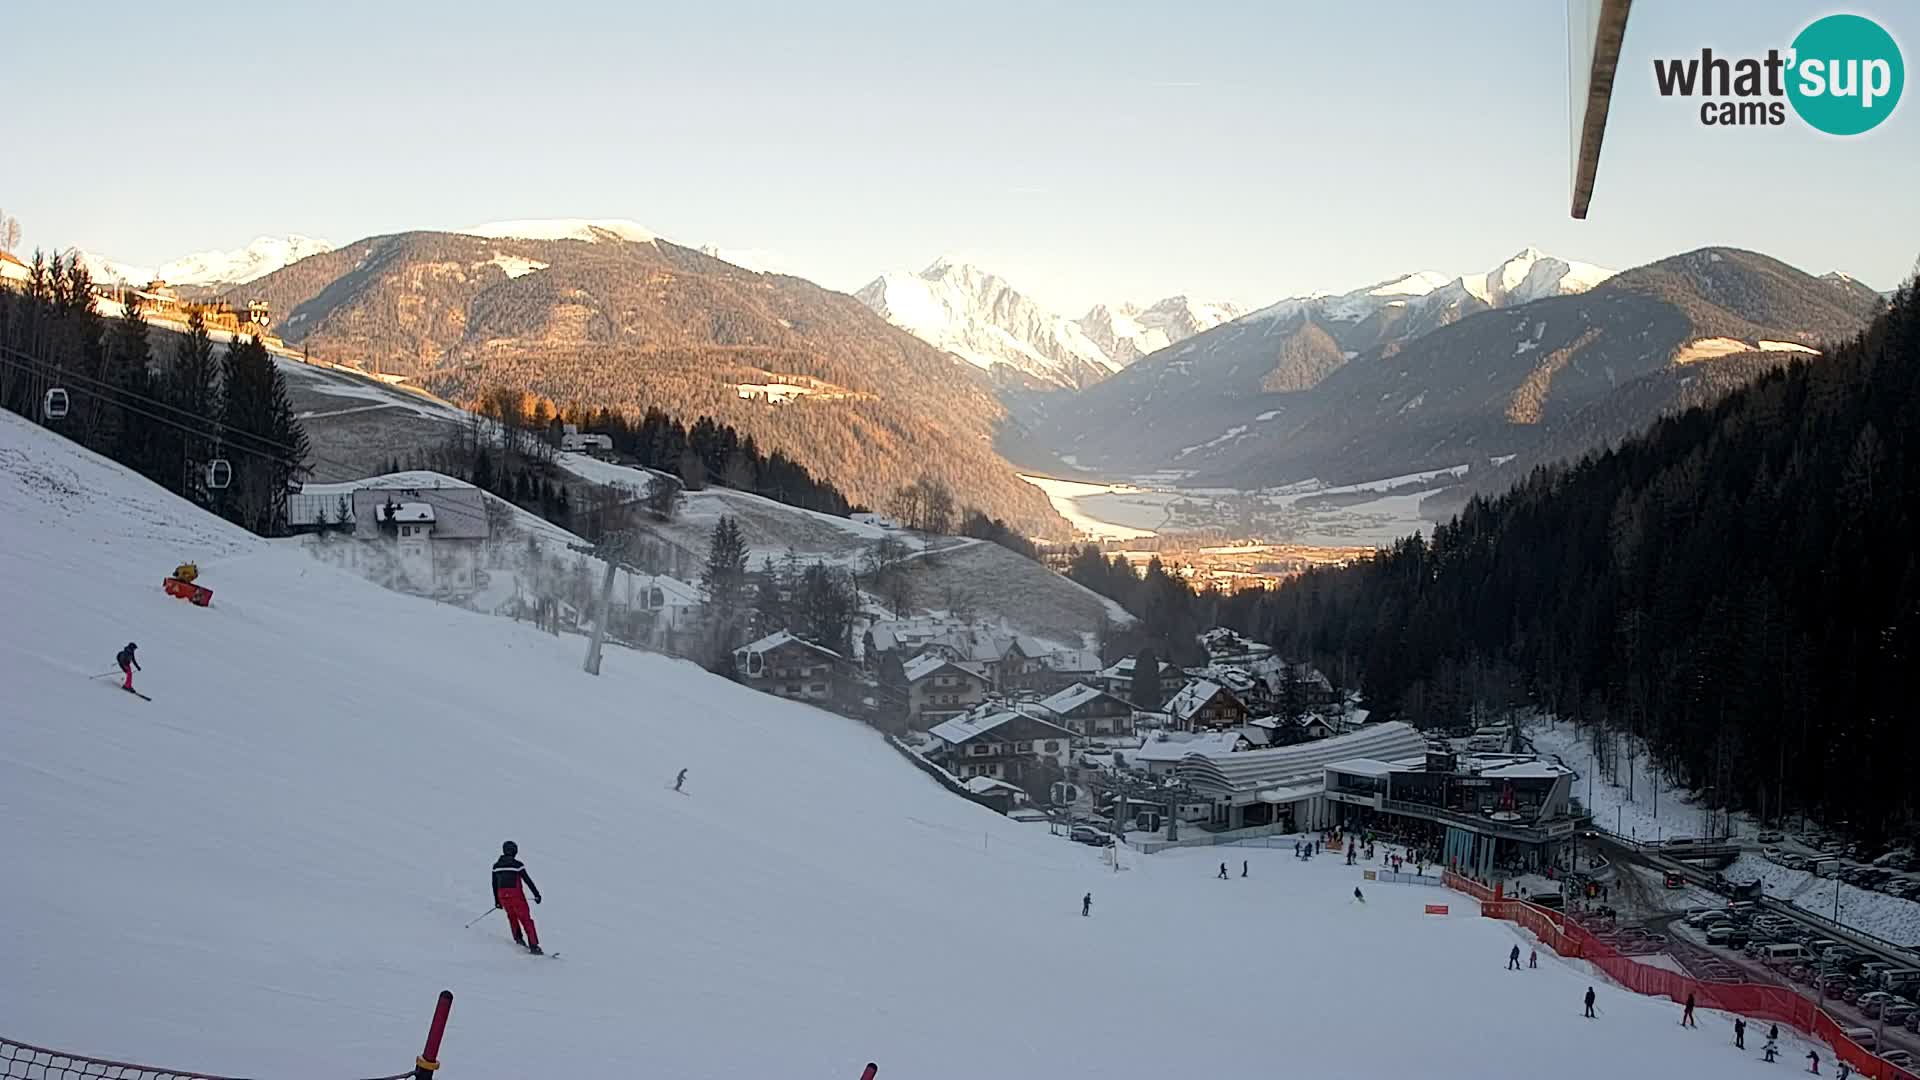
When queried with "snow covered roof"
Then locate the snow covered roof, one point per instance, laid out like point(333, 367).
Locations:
point(927, 663)
point(1178, 746)
point(1077, 661)
point(1362, 767)
point(412, 513)
point(1192, 698)
point(1123, 668)
point(457, 511)
point(1303, 765)
point(1527, 770)
point(962, 728)
point(983, 785)
point(776, 640)
point(1073, 697)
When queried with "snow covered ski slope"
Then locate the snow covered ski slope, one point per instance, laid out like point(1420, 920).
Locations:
point(266, 871)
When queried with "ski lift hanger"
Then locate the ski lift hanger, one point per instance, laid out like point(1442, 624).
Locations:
point(54, 406)
point(219, 473)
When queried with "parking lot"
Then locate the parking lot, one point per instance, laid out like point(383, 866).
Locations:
point(1698, 931)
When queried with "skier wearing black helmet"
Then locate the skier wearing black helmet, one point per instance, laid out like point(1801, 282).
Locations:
point(508, 877)
point(128, 664)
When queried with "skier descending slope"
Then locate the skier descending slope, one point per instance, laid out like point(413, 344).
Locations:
point(508, 875)
point(128, 664)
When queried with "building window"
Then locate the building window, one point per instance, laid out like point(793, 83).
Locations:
point(1053, 746)
point(819, 688)
point(978, 749)
point(1023, 747)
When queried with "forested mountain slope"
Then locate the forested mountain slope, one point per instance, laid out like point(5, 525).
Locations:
point(1740, 585)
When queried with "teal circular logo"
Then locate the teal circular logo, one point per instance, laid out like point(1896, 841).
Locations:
point(1847, 74)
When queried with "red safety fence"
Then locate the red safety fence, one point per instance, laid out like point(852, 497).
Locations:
point(1762, 1001)
point(23, 1061)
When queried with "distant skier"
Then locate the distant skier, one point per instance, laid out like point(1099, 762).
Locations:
point(1739, 1033)
point(1533, 958)
point(679, 780)
point(1086, 905)
point(508, 876)
point(1773, 1033)
point(1768, 1052)
point(1842, 1069)
point(1513, 959)
point(1813, 1062)
point(128, 664)
point(1223, 871)
point(1243, 868)
point(1589, 1002)
point(1686, 1016)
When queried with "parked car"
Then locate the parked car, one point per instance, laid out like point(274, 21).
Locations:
point(1896, 1011)
point(1771, 854)
point(1912, 1022)
point(1861, 1035)
point(1832, 983)
point(1897, 1056)
point(1871, 1000)
point(1771, 836)
point(1719, 933)
point(1087, 834)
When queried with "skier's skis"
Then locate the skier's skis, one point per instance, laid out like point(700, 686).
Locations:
point(136, 693)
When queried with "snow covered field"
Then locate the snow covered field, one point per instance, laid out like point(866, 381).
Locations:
point(266, 869)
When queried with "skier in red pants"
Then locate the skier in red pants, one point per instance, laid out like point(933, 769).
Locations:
point(508, 876)
point(128, 664)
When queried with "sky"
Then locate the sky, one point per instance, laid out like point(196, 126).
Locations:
point(1088, 152)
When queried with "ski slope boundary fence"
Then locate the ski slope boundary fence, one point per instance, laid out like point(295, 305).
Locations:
point(24, 1061)
point(1756, 1001)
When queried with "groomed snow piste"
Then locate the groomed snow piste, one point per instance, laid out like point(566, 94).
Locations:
point(265, 870)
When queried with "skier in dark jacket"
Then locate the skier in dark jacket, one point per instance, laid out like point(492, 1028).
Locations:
point(128, 664)
point(679, 780)
point(1686, 1017)
point(1590, 1001)
point(1086, 905)
point(1513, 959)
point(508, 876)
point(1740, 1032)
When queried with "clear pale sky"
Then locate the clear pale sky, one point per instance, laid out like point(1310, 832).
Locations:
point(1086, 151)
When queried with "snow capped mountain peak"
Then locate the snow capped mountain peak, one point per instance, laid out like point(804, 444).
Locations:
point(258, 259)
point(977, 315)
point(592, 230)
point(1529, 275)
point(208, 268)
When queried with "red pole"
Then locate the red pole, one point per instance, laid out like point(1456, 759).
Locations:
point(429, 1060)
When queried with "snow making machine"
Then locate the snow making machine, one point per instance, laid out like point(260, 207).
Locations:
point(183, 585)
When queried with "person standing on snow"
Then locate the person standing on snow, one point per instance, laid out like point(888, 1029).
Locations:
point(128, 664)
point(1243, 868)
point(1513, 959)
point(1533, 958)
point(1589, 1002)
point(1739, 1033)
point(509, 874)
point(1686, 1017)
point(681, 779)
point(1086, 905)
point(1223, 871)
point(1813, 1062)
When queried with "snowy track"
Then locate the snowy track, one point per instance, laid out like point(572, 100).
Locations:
point(267, 869)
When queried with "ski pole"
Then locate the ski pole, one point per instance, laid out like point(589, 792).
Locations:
point(482, 915)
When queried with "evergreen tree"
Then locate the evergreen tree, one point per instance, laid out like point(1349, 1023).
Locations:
point(193, 386)
point(828, 602)
point(1147, 693)
point(725, 580)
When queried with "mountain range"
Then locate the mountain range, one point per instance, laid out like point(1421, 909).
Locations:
point(212, 269)
point(979, 317)
point(1412, 374)
point(606, 314)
